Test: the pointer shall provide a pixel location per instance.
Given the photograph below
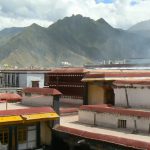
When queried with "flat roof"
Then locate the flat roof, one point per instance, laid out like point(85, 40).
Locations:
point(19, 109)
point(43, 91)
point(119, 75)
point(132, 81)
point(68, 70)
point(26, 111)
point(14, 113)
point(116, 110)
point(70, 125)
point(10, 97)
point(24, 71)
point(49, 70)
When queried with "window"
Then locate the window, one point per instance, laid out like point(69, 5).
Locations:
point(17, 80)
point(35, 83)
point(13, 80)
point(4, 136)
point(8, 76)
point(22, 135)
point(122, 123)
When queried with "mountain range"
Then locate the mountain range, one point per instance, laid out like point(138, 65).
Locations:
point(77, 40)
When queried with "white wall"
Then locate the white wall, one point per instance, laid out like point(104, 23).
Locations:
point(111, 120)
point(86, 117)
point(35, 77)
point(22, 80)
point(71, 100)
point(139, 98)
point(37, 100)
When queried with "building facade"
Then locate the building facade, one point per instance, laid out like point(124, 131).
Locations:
point(28, 128)
point(135, 121)
point(39, 96)
point(68, 82)
point(117, 88)
point(133, 93)
point(22, 78)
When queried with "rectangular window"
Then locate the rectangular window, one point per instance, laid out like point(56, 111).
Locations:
point(4, 135)
point(13, 80)
point(35, 83)
point(22, 134)
point(122, 123)
point(8, 76)
point(17, 80)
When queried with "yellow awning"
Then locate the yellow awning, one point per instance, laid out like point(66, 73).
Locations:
point(10, 119)
point(46, 116)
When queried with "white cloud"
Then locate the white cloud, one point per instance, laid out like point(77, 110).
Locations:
point(20, 22)
point(120, 13)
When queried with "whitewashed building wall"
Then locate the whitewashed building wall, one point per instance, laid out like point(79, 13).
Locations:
point(35, 77)
point(111, 120)
point(71, 100)
point(137, 97)
point(37, 100)
point(22, 80)
point(87, 117)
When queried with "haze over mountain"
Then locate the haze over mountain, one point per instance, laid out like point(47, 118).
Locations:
point(77, 40)
point(142, 28)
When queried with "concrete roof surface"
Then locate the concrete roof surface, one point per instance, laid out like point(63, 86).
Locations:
point(70, 124)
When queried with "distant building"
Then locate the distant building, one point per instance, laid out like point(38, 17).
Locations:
point(22, 78)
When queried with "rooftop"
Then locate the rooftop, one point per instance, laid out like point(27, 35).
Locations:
point(70, 125)
point(16, 113)
point(68, 70)
point(132, 81)
point(48, 70)
point(42, 91)
point(26, 111)
point(117, 75)
point(116, 110)
point(10, 97)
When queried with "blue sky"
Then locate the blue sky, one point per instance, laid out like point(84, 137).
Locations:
point(104, 1)
point(132, 2)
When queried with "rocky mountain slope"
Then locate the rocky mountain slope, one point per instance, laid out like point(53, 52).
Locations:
point(77, 40)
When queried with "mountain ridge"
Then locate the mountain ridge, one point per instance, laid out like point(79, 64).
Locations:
point(76, 39)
